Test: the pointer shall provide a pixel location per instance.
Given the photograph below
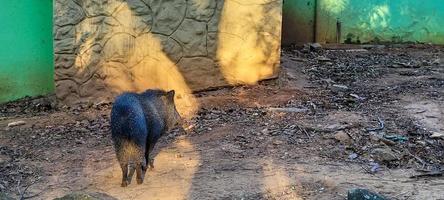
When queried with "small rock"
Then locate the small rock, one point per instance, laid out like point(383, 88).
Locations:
point(339, 88)
point(437, 135)
point(384, 155)
point(189, 127)
point(357, 97)
point(353, 156)
point(315, 46)
point(363, 194)
point(343, 137)
point(265, 131)
point(375, 167)
point(277, 142)
point(78, 141)
point(179, 155)
point(335, 127)
point(17, 123)
point(323, 59)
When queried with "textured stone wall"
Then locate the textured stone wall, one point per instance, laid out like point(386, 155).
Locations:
point(104, 47)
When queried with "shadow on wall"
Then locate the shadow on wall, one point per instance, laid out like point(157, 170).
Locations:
point(107, 47)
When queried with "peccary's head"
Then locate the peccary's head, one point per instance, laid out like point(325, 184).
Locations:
point(172, 116)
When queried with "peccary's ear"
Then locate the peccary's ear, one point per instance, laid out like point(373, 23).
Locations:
point(171, 94)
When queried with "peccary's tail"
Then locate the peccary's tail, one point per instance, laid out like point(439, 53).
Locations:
point(128, 123)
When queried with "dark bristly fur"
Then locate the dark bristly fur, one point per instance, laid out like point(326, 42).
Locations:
point(138, 120)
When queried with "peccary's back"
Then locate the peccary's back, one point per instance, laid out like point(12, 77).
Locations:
point(155, 113)
point(128, 122)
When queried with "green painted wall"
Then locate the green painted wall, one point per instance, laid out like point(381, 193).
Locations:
point(298, 21)
point(26, 50)
point(382, 20)
point(371, 20)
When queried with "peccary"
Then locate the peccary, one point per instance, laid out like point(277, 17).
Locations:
point(138, 120)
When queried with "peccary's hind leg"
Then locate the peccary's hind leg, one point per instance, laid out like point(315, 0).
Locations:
point(124, 166)
point(123, 161)
point(140, 171)
point(132, 169)
point(149, 160)
point(150, 147)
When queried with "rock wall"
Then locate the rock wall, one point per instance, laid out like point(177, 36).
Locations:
point(104, 47)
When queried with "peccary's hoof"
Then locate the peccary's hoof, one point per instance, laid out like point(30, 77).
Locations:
point(151, 164)
point(139, 181)
point(124, 184)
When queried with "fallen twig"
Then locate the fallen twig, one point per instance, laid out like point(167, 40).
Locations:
point(289, 110)
point(23, 193)
point(419, 159)
point(306, 133)
point(16, 123)
point(429, 174)
point(401, 194)
point(22, 196)
point(381, 126)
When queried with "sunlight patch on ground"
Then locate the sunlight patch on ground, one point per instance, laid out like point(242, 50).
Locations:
point(171, 179)
point(429, 113)
point(275, 179)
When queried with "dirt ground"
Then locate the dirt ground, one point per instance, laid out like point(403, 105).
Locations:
point(361, 117)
